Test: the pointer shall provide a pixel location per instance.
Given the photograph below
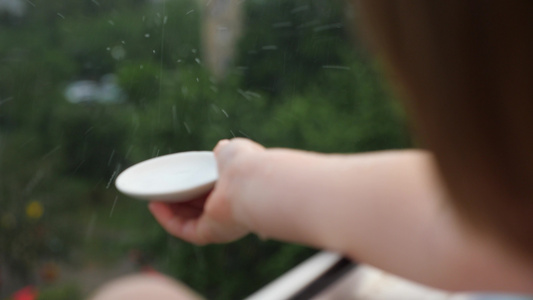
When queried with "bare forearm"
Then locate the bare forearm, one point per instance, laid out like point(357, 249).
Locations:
point(387, 209)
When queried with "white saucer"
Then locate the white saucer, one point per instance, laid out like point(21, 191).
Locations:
point(170, 178)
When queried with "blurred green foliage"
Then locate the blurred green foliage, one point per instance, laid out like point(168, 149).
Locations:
point(298, 82)
point(69, 291)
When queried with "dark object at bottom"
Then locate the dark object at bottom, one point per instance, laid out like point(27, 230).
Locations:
point(325, 280)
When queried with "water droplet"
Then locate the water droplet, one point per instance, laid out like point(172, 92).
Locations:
point(128, 152)
point(243, 133)
point(2, 101)
point(336, 67)
point(286, 24)
point(113, 207)
point(328, 27)
point(118, 52)
point(111, 157)
point(300, 9)
point(187, 127)
point(270, 47)
point(115, 173)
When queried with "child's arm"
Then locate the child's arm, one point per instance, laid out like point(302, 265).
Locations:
point(387, 209)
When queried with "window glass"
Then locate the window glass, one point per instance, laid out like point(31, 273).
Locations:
point(90, 87)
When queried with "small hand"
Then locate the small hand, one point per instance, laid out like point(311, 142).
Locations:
point(211, 218)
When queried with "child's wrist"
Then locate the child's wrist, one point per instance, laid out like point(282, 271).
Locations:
point(245, 190)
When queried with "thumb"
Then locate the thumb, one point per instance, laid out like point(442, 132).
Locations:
point(210, 231)
point(227, 150)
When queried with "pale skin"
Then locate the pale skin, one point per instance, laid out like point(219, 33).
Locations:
point(388, 209)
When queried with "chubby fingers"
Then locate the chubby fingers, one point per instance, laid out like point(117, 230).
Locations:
point(165, 216)
point(181, 220)
point(192, 224)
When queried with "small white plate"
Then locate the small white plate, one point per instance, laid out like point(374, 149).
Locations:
point(170, 178)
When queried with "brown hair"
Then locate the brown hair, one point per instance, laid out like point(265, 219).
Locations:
point(467, 69)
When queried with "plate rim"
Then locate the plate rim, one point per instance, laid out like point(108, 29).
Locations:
point(167, 196)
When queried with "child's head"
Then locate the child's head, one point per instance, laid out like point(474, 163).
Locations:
point(466, 68)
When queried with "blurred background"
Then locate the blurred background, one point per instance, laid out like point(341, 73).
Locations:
point(90, 87)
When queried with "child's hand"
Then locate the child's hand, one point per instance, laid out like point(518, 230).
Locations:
point(211, 218)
